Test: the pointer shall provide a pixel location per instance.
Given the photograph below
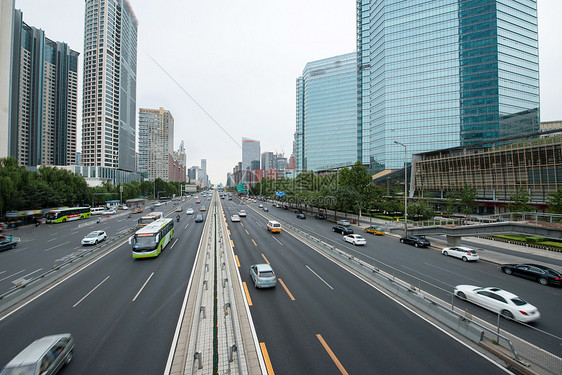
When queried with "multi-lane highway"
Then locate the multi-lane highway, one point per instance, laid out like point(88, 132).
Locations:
point(319, 319)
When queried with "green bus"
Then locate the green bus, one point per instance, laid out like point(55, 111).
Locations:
point(68, 214)
point(153, 238)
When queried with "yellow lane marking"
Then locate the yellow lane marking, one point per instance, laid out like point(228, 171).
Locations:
point(332, 355)
point(237, 261)
point(248, 233)
point(286, 289)
point(266, 359)
point(232, 243)
point(247, 293)
point(254, 242)
point(228, 231)
point(266, 261)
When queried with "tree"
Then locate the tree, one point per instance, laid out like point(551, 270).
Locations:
point(554, 201)
point(520, 201)
point(467, 196)
point(421, 210)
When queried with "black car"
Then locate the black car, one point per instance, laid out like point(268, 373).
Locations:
point(301, 216)
point(542, 274)
point(7, 245)
point(319, 217)
point(342, 229)
point(199, 218)
point(417, 241)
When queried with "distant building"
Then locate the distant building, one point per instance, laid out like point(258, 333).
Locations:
point(548, 126)
point(6, 22)
point(250, 153)
point(268, 160)
point(156, 140)
point(43, 97)
point(203, 179)
point(192, 174)
point(110, 84)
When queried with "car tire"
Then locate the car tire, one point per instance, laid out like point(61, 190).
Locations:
point(333, 230)
point(507, 271)
point(507, 314)
point(401, 240)
point(464, 259)
point(461, 295)
point(543, 281)
point(445, 253)
point(96, 242)
point(416, 245)
point(68, 357)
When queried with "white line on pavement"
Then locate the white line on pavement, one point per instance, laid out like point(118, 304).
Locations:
point(143, 285)
point(276, 240)
point(318, 276)
point(54, 247)
point(14, 274)
point(90, 292)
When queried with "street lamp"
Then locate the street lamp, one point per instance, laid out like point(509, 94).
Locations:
point(405, 188)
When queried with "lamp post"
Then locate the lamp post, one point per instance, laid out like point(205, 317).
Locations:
point(405, 187)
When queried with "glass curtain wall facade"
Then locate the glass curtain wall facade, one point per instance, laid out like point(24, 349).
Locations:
point(109, 103)
point(251, 151)
point(443, 73)
point(327, 125)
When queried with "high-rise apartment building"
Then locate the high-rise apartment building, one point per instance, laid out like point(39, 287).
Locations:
point(156, 142)
point(6, 21)
point(326, 131)
point(250, 152)
point(268, 160)
point(443, 73)
point(110, 81)
point(43, 98)
point(203, 179)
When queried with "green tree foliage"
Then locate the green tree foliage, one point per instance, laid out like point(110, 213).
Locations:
point(554, 201)
point(420, 210)
point(520, 201)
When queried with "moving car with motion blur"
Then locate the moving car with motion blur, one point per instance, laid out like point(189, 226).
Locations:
point(542, 274)
point(342, 229)
point(263, 276)
point(93, 238)
point(373, 229)
point(189, 211)
point(417, 241)
point(242, 213)
point(355, 239)
point(301, 216)
point(199, 218)
point(461, 252)
point(499, 301)
point(235, 218)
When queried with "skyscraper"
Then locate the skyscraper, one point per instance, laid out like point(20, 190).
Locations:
point(6, 20)
point(156, 142)
point(439, 74)
point(203, 176)
point(326, 131)
point(110, 80)
point(250, 153)
point(43, 96)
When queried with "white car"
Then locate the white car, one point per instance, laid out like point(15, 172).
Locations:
point(461, 252)
point(189, 211)
point(242, 213)
point(235, 218)
point(345, 223)
point(355, 239)
point(260, 206)
point(109, 212)
point(93, 238)
point(499, 301)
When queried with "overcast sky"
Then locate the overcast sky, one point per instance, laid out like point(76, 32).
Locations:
point(239, 60)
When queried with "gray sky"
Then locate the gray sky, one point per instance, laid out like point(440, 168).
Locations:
point(239, 60)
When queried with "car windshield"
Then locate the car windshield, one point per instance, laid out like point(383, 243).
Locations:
point(20, 370)
point(92, 235)
point(518, 301)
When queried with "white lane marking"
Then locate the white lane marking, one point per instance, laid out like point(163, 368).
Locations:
point(258, 223)
point(172, 246)
point(91, 291)
point(318, 276)
point(143, 285)
point(14, 274)
point(186, 225)
point(54, 247)
point(24, 276)
point(52, 239)
point(276, 240)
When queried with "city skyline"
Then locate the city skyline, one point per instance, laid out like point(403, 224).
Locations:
point(237, 95)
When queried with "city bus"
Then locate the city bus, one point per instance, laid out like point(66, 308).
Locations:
point(149, 218)
point(67, 214)
point(153, 238)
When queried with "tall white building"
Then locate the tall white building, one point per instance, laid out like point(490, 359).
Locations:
point(156, 142)
point(250, 153)
point(110, 81)
point(6, 17)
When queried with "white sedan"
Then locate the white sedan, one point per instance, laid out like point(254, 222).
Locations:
point(499, 301)
point(242, 213)
point(235, 218)
point(464, 253)
point(189, 211)
point(355, 239)
point(93, 238)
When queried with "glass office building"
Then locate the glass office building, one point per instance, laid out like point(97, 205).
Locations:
point(326, 131)
point(444, 73)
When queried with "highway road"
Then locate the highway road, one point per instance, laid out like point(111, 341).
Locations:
point(122, 312)
point(321, 319)
point(437, 274)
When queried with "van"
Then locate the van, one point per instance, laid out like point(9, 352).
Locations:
point(273, 226)
point(46, 355)
point(97, 210)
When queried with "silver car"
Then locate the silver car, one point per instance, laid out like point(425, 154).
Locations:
point(44, 356)
point(263, 276)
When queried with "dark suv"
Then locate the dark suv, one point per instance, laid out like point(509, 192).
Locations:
point(342, 229)
point(417, 241)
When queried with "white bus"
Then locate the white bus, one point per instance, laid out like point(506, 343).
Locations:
point(152, 239)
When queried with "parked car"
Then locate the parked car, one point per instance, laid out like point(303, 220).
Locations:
point(499, 301)
point(242, 213)
point(345, 223)
point(375, 230)
point(199, 218)
point(189, 211)
point(542, 274)
point(417, 241)
point(355, 239)
point(461, 252)
point(235, 218)
point(93, 238)
point(263, 276)
point(342, 229)
point(301, 216)
point(44, 356)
